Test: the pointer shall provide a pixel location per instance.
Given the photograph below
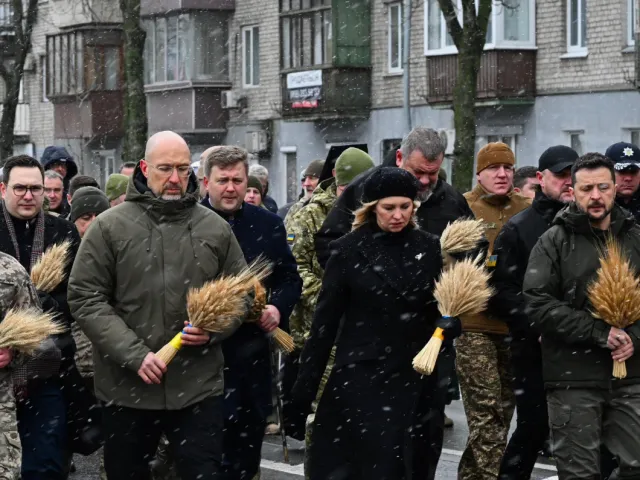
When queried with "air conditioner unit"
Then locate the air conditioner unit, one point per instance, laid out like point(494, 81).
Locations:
point(448, 137)
point(256, 142)
point(228, 99)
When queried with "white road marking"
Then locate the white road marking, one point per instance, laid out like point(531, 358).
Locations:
point(297, 470)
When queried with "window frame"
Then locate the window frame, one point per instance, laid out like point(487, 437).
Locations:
point(400, 25)
point(43, 79)
point(570, 134)
point(495, 28)
point(576, 49)
point(252, 29)
point(299, 16)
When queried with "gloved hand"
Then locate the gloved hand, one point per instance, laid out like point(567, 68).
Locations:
point(452, 327)
point(481, 249)
point(48, 302)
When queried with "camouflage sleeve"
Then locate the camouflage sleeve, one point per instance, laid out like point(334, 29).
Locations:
point(303, 228)
point(10, 447)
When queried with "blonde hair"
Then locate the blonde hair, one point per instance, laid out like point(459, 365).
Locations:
point(366, 214)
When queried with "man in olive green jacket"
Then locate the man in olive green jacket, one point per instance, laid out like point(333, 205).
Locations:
point(128, 290)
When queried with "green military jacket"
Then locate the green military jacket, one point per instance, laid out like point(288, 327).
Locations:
point(300, 233)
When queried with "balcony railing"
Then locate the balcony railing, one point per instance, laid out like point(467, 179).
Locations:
point(504, 75)
point(22, 125)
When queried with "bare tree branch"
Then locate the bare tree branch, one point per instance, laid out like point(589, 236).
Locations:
point(453, 25)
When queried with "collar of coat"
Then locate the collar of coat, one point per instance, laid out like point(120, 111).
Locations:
point(547, 207)
point(480, 193)
point(139, 192)
point(578, 222)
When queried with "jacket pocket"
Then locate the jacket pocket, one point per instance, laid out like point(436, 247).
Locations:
point(559, 414)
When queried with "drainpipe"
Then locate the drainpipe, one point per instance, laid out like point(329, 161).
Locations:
point(406, 47)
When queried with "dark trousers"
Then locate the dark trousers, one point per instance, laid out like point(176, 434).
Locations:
point(247, 404)
point(582, 420)
point(42, 427)
point(194, 434)
point(532, 428)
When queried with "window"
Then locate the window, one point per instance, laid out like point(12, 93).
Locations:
point(186, 47)
point(508, 139)
point(293, 181)
point(250, 56)
point(575, 141)
point(511, 24)
point(43, 74)
point(632, 21)
point(77, 62)
point(635, 137)
point(395, 37)
point(306, 33)
point(576, 26)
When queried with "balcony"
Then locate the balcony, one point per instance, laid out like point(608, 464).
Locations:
point(327, 93)
point(22, 126)
point(85, 82)
point(505, 77)
point(159, 7)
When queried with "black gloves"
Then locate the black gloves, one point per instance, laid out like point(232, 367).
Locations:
point(452, 327)
point(48, 302)
point(481, 249)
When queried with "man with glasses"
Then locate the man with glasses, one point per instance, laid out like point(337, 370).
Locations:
point(25, 233)
point(128, 292)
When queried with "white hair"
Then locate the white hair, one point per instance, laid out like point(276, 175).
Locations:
point(259, 171)
point(52, 175)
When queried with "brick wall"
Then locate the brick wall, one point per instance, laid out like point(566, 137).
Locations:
point(606, 67)
point(264, 100)
point(387, 89)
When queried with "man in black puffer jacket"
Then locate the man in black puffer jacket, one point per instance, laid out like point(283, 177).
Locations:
point(587, 406)
point(511, 250)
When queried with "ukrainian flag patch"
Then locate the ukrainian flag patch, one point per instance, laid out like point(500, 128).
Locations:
point(291, 238)
point(492, 261)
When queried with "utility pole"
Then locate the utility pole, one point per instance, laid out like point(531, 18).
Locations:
point(406, 53)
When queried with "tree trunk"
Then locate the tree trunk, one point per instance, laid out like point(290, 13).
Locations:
point(24, 19)
point(464, 117)
point(135, 100)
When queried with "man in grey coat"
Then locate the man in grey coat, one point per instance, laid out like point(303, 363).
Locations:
point(128, 292)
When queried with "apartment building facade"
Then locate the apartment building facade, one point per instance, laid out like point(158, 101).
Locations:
point(289, 78)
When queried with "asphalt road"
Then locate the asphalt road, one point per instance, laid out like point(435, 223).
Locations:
point(274, 467)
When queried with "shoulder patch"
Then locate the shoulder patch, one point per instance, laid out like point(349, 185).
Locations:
point(492, 261)
point(291, 238)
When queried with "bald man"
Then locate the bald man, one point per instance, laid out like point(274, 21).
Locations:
point(128, 293)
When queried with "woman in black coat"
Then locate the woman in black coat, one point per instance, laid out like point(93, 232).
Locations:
point(377, 292)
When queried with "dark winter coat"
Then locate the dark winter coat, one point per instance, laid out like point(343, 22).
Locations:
point(270, 204)
point(54, 154)
point(260, 232)
point(56, 231)
point(128, 292)
point(633, 205)
point(378, 291)
point(562, 265)
point(445, 205)
point(512, 249)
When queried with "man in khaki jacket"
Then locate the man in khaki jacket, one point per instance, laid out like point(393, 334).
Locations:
point(483, 353)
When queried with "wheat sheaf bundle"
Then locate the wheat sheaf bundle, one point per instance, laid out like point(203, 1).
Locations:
point(462, 236)
point(49, 271)
point(283, 340)
point(462, 289)
point(216, 305)
point(25, 329)
point(615, 293)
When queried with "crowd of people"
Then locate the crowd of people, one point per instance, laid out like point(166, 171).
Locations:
point(354, 261)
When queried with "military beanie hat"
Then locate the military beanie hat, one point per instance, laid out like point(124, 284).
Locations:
point(491, 154)
point(88, 200)
point(351, 163)
point(390, 182)
point(314, 169)
point(253, 182)
point(116, 186)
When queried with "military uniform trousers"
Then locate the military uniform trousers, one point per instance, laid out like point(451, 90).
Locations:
point(583, 419)
point(10, 449)
point(483, 363)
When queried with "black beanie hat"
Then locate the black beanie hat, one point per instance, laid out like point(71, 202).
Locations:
point(390, 182)
point(253, 182)
point(88, 200)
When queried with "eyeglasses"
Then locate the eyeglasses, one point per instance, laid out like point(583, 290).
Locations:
point(167, 170)
point(21, 190)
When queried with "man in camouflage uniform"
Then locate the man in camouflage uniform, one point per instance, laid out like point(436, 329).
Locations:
point(16, 291)
point(310, 179)
point(301, 232)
